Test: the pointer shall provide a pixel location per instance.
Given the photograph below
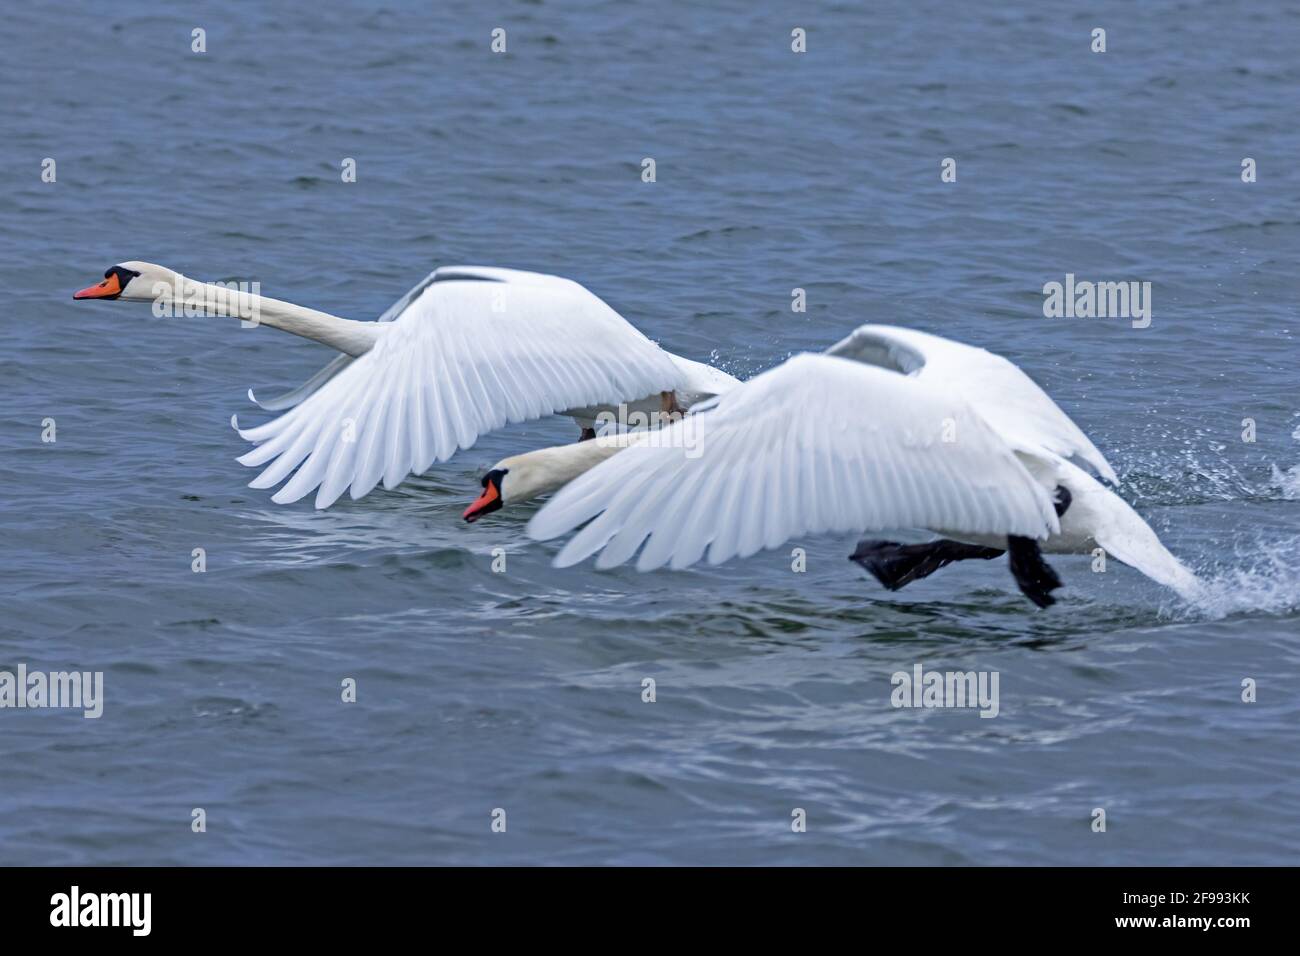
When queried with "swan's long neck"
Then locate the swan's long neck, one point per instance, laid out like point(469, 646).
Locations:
point(546, 470)
point(346, 335)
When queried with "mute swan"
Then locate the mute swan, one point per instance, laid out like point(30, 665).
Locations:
point(465, 352)
point(889, 430)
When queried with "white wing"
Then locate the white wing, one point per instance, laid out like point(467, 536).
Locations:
point(474, 349)
point(1007, 398)
point(818, 444)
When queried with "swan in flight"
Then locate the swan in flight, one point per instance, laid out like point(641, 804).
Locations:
point(890, 430)
point(465, 352)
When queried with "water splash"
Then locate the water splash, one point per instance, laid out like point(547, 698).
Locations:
point(1266, 581)
point(1287, 482)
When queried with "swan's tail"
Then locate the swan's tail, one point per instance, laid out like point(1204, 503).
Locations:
point(1097, 513)
point(1128, 538)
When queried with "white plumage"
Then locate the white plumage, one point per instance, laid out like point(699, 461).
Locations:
point(1005, 397)
point(889, 430)
point(470, 350)
point(817, 444)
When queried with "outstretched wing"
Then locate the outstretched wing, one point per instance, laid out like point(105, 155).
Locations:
point(818, 444)
point(1006, 397)
point(473, 350)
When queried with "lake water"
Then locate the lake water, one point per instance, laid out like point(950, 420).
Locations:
point(523, 690)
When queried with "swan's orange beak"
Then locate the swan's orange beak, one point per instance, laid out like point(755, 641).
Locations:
point(490, 500)
point(110, 288)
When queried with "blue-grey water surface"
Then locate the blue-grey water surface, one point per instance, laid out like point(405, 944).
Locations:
point(523, 690)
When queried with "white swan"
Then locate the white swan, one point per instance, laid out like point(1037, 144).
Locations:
point(889, 430)
point(466, 351)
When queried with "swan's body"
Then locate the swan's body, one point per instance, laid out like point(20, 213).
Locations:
point(890, 430)
point(466, 351)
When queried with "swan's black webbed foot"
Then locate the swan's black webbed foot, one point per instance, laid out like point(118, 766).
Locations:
point(895, 565)
point(587, 434)
point(1034, 575)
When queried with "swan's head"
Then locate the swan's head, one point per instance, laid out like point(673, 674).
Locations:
point(132, 281)
point(523, 477)
point(493, 496)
